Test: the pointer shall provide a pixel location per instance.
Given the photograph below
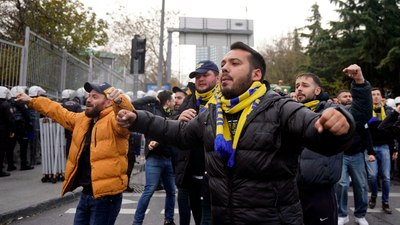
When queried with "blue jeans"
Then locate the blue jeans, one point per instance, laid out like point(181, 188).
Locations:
point(353, 166)
point(156, 167)
point(382, 163)
point(101, 211)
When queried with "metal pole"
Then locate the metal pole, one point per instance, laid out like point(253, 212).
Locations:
point(63, 71)
point(90, 77)
point(160, 56)
point(24, 60)
point(135, 78)
point(169, 56)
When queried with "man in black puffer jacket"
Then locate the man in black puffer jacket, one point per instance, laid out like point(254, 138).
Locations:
point(158, 160)
point(190, 172)
point(319, 173)
point(252, 138)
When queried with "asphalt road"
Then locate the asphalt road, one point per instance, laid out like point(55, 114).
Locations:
point(64, 214)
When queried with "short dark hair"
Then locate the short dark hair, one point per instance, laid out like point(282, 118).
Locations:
point(312, 76)
point(256, 60)
point(341, 91)
point(164, 96)
point(377, 89)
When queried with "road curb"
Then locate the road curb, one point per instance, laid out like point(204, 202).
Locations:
point(8, 217)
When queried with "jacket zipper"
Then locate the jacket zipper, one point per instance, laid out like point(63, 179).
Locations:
point(95, 139)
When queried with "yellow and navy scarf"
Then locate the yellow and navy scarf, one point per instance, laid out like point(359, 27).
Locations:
point(377, 117)
point(167, 110)
point(246, 102)
point(208, 97)
point(312, 105)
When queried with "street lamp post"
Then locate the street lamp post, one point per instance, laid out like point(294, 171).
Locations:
point(160, 56)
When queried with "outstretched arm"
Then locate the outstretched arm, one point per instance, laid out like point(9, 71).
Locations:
point(178, 133)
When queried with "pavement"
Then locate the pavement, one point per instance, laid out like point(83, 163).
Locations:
point(23, 193)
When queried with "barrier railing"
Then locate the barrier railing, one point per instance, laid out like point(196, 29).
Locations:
point(39, 62)
point(52, 139)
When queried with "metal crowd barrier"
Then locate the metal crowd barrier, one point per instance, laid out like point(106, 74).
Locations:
point(52, 139)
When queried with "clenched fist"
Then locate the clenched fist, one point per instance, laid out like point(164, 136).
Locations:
point(125, 118)
point(333, 121)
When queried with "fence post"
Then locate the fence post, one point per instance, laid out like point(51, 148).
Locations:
point(109, 76)
point(63, 71)
point(23, 73)
point(90, 77)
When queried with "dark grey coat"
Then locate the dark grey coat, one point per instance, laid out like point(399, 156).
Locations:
point(261, 188)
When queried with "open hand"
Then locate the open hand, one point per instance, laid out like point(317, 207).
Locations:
point(22, 97)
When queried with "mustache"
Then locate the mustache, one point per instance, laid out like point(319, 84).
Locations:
point(226, 76)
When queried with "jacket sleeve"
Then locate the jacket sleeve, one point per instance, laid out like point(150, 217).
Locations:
point(142, 102)
point(55, 111)
point(391, 125)
point(366, 139)
point(125, 104)
point(300, 123)
point(173, 132)
point(361, 107)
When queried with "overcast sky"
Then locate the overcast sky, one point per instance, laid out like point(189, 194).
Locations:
point(272, 18)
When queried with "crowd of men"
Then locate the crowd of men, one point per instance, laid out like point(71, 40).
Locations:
point(235, 151)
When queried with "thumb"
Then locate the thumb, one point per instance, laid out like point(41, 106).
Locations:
point(319, 126)
point(122, 113)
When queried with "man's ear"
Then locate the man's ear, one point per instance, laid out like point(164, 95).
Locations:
point(256, 75)
point(109, 103)
point(317, 91)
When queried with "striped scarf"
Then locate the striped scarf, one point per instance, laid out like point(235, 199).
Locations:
point(380, 116)
point(246, 102)
point(312, 105)
point(209, 97)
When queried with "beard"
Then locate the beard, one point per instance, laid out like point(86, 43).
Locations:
point(92, 111)
point(305, 98)
point(238, 87)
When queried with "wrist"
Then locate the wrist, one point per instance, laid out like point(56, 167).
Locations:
point(359, 81)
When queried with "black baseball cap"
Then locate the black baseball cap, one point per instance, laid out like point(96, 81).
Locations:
point(185, 90)
point(203, 67)
point(101, 88)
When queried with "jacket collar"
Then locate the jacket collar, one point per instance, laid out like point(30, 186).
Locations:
point(104, 113)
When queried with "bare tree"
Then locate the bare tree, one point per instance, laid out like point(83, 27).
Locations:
point(284, 58)
point(123, 28)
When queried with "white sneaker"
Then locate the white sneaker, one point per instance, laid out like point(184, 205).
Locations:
point(361, 221)
point(343, 220)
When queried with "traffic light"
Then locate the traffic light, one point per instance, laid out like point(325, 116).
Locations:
point(138, 52)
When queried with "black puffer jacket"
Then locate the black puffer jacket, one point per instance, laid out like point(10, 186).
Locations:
point(151, 104)
point(189, 162)
point(261, 188)
point(319, 171)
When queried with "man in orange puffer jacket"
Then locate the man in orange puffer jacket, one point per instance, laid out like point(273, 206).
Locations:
point(98, 154)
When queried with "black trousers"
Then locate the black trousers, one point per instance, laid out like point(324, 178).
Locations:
point(319, 206)
point(131, 162)
point(5, 145)
point(22, 139)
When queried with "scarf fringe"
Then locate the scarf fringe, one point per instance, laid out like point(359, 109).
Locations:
point(223, 147)
point(224, 144)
